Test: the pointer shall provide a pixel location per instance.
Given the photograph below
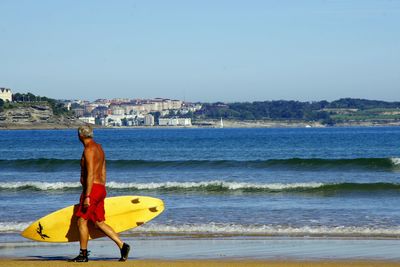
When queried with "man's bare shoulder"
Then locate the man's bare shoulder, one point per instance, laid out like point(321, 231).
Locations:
point(93, 149)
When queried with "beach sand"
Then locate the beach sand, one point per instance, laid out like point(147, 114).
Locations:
point(196, 263)
point(211, 252)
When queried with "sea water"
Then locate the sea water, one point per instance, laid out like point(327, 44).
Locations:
point(303, 182)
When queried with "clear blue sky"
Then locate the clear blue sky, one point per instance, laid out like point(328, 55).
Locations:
point(202, 50)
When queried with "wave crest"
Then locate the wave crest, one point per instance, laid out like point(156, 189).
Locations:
point(224, 229)
point(50, 165)
point(215, 186)
point(269, 230)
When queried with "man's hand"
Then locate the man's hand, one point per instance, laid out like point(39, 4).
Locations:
point(86, 202)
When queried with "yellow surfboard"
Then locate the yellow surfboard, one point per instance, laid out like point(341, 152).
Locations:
point(122, 213)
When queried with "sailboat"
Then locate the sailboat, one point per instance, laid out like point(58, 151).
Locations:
point(221, 124)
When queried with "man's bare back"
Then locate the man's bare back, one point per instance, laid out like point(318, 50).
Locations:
point(93, 165)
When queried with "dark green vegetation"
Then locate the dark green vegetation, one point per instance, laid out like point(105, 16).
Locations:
point(29, 99)
point(329, 113)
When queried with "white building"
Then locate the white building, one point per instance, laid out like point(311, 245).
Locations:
point(112, 120)
point(175, 121)
point(117, 110)
point(121, 120)
point(5, 94)
point(176, 104)
point(166, 104)
point(90, 120)
point(148, 107)
point(149, 120)
point(131, 109)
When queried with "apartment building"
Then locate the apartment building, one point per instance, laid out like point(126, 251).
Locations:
point(175, 121)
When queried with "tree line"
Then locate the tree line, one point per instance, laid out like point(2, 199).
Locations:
point(288, 110)
point(29, 98)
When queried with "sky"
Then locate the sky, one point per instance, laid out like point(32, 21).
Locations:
point(208, 51)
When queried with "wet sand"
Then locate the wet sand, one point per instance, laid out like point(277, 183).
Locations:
point(198, 263)
point(211, 252)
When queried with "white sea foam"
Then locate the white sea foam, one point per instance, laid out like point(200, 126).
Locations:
point(268, 230)
point(224, 184)
point(163, 185)
point(242, 230)
point(39, 185)
point(395, 161)
point(13, 227)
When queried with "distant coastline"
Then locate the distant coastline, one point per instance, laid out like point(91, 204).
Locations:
point(165, 113)
point(203, 124)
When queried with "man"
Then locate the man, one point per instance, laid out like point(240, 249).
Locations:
point(91, 207)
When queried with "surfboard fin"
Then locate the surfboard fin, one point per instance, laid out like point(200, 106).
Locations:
point(153, 209)
point(135, 201)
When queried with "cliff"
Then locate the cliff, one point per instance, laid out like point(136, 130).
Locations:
point(36, 117)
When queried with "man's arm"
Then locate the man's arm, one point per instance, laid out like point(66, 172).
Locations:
point(90, 165)
point(82, 180)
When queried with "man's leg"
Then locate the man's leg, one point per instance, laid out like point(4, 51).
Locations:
point(83, 233)
point(123, 247)
point(83, 240)
point(110, 233)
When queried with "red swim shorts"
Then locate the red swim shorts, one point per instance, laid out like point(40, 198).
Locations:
point(95, 212)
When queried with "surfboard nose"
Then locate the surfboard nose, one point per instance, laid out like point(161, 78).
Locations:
point(28, 232)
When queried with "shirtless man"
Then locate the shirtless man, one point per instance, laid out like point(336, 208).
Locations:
point(91, 207)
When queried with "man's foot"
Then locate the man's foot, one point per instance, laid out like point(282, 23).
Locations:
point(124, 252)
point(82, 257)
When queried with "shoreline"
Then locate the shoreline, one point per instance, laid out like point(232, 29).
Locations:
point(234, 125)
point(214, 249)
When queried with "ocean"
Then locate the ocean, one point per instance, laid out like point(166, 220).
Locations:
point(302, 182)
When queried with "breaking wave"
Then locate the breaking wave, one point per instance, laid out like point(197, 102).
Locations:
point(50, 165)
point(269, 230)
point(224, 229)
point(209, 187)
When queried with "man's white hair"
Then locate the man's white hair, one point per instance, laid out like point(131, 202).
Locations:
point(86, 131)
